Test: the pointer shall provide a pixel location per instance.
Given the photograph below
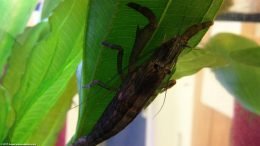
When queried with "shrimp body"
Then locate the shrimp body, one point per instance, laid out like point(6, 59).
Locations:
point(139, 86)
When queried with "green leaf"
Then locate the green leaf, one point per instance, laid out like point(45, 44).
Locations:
point(20, 57)
point(17, 13)
point(42, 67)
point(195, 60)
point(7, 114)
point(5, 48)
point(241, 77)
point(210, 56)
point(225, 43)
point(114, 22)
point(242, 81)
point(14, 17)
point(48, 7)
point(248, 56)
point(55, 118)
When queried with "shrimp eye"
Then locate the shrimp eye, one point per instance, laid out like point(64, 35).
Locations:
point(157, 66)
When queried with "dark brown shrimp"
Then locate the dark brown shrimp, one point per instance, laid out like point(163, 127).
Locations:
point(142, 82)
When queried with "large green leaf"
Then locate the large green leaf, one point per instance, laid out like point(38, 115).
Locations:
point(7, 114)
point(235, 60)
point(18, 62)
point(41, 68)
point(55, 119)
point(5, 48)
point(211, 55)
point(14, 17)
point(195, 60)
point(241, 76)
point(16, 65)
point(115, 22)
point(48, 7)
point(15, 14)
